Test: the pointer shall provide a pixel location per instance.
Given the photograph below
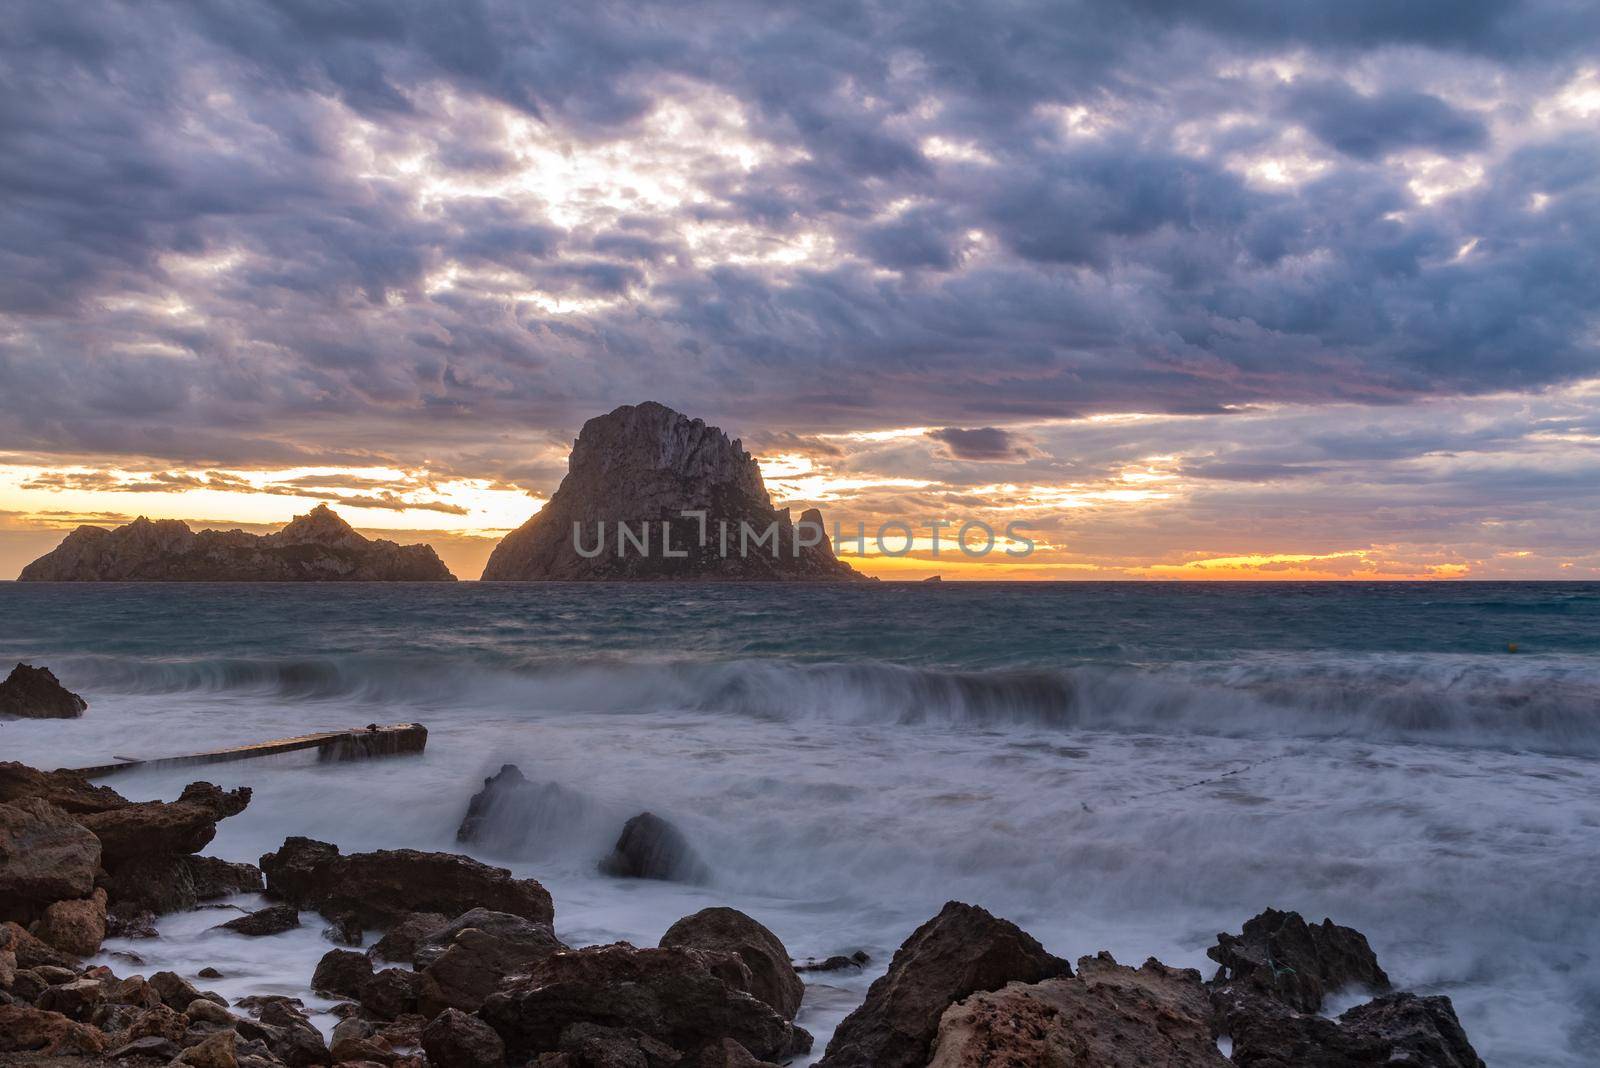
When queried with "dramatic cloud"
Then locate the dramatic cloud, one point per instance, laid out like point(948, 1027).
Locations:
point(439, 234)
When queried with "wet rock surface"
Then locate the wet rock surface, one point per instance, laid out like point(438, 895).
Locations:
point(274, 919)
point(774, 979)
point(653, 848)
point(1282, 956)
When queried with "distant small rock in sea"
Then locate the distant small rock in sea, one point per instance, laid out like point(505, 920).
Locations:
point(640, 468)
point(318, 546)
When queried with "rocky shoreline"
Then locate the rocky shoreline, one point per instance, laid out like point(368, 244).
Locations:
point(469, 972)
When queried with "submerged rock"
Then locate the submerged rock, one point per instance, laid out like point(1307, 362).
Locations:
point(653, 848)
point(513, 816)
point(774, 979)
point(1280, 955)
point(643, 466)
point(318, 546)
point(275, 919)
point(677, 997)
point(35, 693)
point(1108, 1016)
point(962, 951)
point(383, 887)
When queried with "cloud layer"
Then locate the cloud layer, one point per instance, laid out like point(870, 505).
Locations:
point(441, 234)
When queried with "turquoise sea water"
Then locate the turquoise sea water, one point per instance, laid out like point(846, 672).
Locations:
point(1122, 766)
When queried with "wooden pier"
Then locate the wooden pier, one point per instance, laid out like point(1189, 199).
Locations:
point(362, 743)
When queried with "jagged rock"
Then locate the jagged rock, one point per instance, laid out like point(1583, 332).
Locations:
point(455, 1040)
point(350, 1050)
point(512, 816)
point(318, 546)
point(643, 466)
point(289, 1035)
point(386, 885)
point(217, 1051)
point(151, 1047)
point(345, 929)
point(35, 693)
point(677, 997)
point(342, 971)
point(400, 942)
point(1107, 1016)
point(1280, 955)
point(65, 789)
point(176, 882)
point(202, 1011)
point(653, 848)
point(130, 921)
point(1393, 1029)
point(275, 919)
point(186, 825)
point(962, 951)
point(28, 951)
point(162, 1021)
point(729, 930)
point(76, 927)
point(45, 856)
point(135, 990)
point(76, 1000)
point(725, 1054)
point(391, 993)
point(466, 961)
point(24, 1029)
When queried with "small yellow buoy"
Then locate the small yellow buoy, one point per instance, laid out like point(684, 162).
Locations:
point(1511, 647)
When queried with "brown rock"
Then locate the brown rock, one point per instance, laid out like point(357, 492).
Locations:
point(176, 882)
point(384, 886)
point(1107, 1016)
point(217, 1051)
point(35, 693)
point(466, 961)
point(177, 992)
point(455, 1040)
point(349, 1049)
point(318, 546)
point(45, 856)
point(1393, 1029)
point(342, 971)
point(725, 1054)
point(67, 790)
point(673, 996)
point(391, 992)
point(31, 952)
point(75, 1000)
point(76, 927)
point(1280, 955)
point(400, 942)
point(962, 951)
point(644, 465)
point(774, 979)
point(186, 825)
point(24, 1029)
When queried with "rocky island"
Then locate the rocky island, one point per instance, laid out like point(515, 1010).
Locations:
point(619, 512)
point(318, 546)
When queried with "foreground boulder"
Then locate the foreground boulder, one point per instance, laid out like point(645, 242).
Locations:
point(774, 979)
point(962, 951)
point(1278, 954)
point(318, 546)
point(680, 998)
point(455, 1040)
point(385, 886)
point(1107, 1016)
point(652, 848)
point(76, 927)
point(24, 1029)
point(145, 828)
point(645, 465)
point(468, 959)
point(1403, 1029)
point(35, 693)
point(45, 856)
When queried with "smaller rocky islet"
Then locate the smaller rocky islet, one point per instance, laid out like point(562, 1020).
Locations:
point(470, 972)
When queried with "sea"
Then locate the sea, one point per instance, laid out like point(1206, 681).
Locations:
point(1121, 766)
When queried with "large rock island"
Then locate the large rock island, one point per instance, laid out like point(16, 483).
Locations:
point(619, 512)
point(318, 546)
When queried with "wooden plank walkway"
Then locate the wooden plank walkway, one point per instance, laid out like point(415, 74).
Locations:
point(373, 740)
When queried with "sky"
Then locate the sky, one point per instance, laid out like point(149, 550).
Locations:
point(1219, 289)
